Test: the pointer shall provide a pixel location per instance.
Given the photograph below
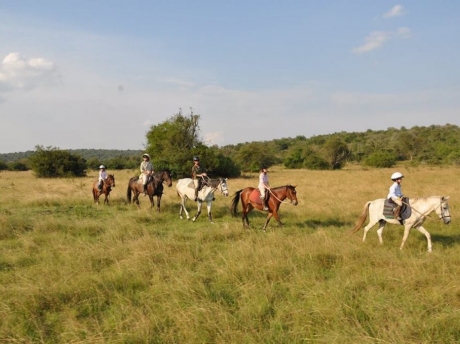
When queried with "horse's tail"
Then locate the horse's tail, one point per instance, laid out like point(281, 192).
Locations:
point(362, 218)
point(235, 200)
point(128, 192)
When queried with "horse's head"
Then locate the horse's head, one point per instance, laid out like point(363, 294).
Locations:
point(165, 177)
point(223, 186)
point(291, 193)
point(111, 180)
point(443, 210)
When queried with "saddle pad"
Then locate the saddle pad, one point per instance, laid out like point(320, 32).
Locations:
point(389, 205)
point(191, 185)
point(255, 196)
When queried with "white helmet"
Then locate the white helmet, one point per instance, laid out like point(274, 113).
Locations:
point(145, 155)
point(396, 175)
point(102, 166)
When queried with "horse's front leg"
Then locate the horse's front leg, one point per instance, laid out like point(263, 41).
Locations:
point(158, 203)
point(427, 235)
point(269, 216)
point(198, 211)
point(152, 202)
point(209, 211)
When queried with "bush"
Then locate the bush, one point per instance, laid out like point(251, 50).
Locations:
point(52, 162)
point(380, 159)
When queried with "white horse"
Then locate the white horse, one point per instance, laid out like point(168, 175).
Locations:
point(186, 190)
point(421, 207)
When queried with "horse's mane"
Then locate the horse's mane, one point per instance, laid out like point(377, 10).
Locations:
point(289, 186)
point(215, 182)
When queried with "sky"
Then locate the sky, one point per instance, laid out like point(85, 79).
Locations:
point(86, 74)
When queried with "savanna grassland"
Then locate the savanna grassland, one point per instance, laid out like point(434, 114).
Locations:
point(75, 272)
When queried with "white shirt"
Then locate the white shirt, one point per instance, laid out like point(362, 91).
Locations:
point(263, 180)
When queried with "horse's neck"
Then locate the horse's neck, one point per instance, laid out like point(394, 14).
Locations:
point(277, 191)
point(425, 205)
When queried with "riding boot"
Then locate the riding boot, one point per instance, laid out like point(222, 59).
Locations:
point(397, 213)
point(264, 203)
point(100, 187)
point(145, 189)
point(196, 194)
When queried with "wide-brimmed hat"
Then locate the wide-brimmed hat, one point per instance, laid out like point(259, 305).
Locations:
point(145, 155)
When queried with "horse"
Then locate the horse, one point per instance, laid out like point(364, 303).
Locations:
point(154, 187)
point(420, 208)
point(107, 185)
point(250, 199)
point(186, 189)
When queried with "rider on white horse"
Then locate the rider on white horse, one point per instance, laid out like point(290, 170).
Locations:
point(395, 193)
point(197, 175)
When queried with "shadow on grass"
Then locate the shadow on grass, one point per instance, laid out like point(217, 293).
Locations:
point(446, 240)
point(315, 224)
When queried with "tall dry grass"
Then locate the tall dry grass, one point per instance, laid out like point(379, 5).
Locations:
point(74, 272)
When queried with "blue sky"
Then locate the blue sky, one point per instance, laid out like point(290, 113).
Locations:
point(98, 74)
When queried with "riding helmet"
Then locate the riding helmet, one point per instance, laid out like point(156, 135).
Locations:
point(145, 155)
point(396, 175)
point(196, 158)
point(102, 166)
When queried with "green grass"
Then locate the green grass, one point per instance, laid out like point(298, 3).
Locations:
point(71, 271)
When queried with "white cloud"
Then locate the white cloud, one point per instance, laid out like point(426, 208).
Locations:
point(377, 38)
point(16, 72)
point(373, 41)
point(395, 11)
point(404, 32)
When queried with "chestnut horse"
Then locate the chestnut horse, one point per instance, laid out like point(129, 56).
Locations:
point(106, 188)
point(154, 187)
point(250, 199)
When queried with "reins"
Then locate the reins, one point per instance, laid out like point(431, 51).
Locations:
point(427, 213)
point(270, 190)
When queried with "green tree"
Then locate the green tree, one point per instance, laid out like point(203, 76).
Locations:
point(173, 143)
point(252, 155)
point(335, 152)
point(52, 162)
point(3, 165)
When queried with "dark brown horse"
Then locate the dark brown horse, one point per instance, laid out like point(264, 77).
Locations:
point(250, 199)
point(154, 187)
point(106, 188)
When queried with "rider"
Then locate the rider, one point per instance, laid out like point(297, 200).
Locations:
point(146, 170)
point(102, 177)
point(263, 184)
point(197, 175)
point(395, 193)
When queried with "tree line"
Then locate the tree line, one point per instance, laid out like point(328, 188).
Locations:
point(174, 142)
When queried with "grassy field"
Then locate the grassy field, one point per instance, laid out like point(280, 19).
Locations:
point(75, 272)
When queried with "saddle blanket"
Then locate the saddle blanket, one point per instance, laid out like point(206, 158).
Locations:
point(254, 197)
point(390, 205)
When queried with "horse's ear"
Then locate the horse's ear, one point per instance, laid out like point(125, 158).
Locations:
point(445, 198)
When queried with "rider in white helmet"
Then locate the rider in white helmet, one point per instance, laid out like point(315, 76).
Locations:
point(102, 176)
point(395, 193)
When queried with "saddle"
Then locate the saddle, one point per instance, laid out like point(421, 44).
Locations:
point(254, 196)
point(389, 207)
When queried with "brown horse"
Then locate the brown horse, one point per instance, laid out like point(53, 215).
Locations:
point(154, 187)
point(250, 199)
point(106, 188)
